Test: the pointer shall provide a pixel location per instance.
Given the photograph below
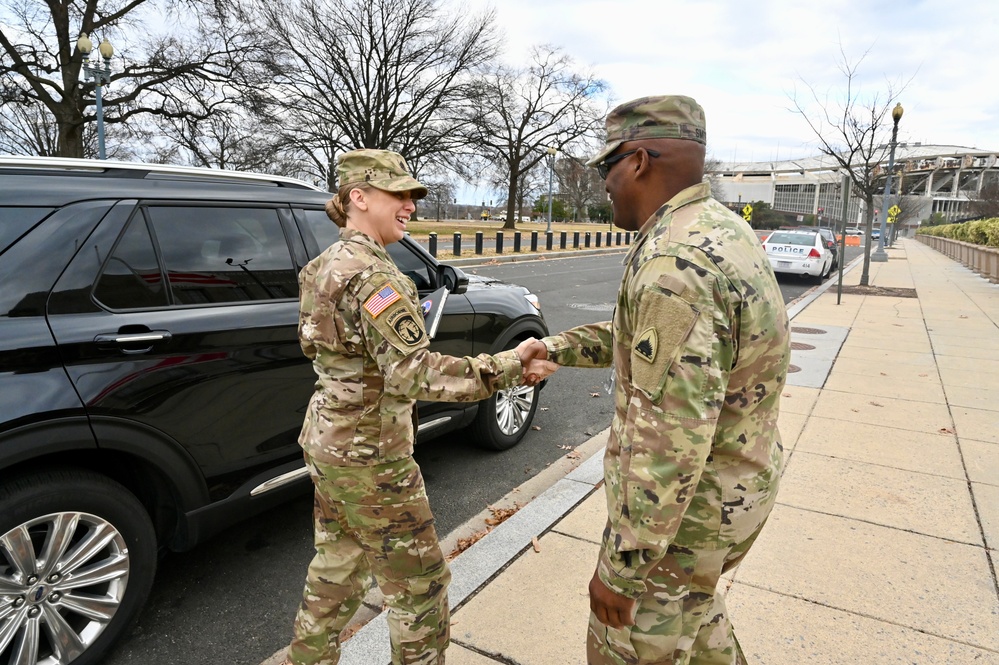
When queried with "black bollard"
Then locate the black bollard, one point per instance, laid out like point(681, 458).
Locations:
point(608, 238)
point(478, 242)
point(587, 240)
point(516, 242)
point(534, 241)
point(499, 242)
point(575, 239)
point(433, 244)
point(598, 239)
point(618, 238)
point(549, 237)
point(562, 239)
point(457, 244)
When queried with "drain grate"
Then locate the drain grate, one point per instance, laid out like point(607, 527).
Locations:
point(808, 331)
point(801, 346)
point(791, 369)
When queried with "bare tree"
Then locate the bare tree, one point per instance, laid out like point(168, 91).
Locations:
point(515, 115)
point(986, 205)
point(851, 128)
point(158, 73)
point(578, 184)
point(385, 74)
point(440, 196)
point(712, 166)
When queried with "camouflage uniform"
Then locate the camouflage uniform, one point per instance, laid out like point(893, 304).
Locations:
point(360, 324)
point(700, 345)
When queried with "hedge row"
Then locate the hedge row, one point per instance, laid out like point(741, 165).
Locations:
point(979, 232)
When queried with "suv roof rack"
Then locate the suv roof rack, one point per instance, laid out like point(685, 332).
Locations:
point(112, 168)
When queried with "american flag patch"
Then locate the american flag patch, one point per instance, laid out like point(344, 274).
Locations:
point(377, 303)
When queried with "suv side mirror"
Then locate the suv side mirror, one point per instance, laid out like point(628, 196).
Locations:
point(453, 278)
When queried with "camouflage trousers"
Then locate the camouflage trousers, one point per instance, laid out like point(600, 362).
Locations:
point(373, 520)
point(680, 620)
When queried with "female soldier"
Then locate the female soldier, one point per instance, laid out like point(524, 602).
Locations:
point(360, 322)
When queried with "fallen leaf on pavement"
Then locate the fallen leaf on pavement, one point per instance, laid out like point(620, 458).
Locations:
point(566, 447)
point(875, 404)
point(884, 374)
point(536, 427)
point(855, 410)
point(786, 395)
point(574, 455)
point(946, 430)
point(534, 541)
point(594, 394)
point(544, 408)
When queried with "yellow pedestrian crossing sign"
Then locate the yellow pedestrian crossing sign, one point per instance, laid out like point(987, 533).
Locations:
point(747, 213)
point(893, 213)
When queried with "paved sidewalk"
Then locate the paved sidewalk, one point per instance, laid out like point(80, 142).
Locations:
point(883, 545)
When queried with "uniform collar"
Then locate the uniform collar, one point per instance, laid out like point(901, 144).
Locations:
point(353, 235)
point(691, 194)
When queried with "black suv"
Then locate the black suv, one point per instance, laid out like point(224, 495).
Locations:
point(151, 382)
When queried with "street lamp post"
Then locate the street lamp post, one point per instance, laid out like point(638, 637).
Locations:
point(880, 255)
point(551, 172)
point(100, 76)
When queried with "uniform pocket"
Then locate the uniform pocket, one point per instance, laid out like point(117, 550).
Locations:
point(663, 325)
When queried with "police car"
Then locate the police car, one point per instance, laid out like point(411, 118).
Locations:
point(799, 252)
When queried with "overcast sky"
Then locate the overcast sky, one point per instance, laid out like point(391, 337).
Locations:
point(743, 60)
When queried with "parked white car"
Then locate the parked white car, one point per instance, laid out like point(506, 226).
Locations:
point(799, 253)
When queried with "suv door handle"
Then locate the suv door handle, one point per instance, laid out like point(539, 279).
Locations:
point(127, 339)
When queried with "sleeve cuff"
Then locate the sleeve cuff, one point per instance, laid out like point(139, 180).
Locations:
point(555, 344)
point(511, 371)
point(623, 586)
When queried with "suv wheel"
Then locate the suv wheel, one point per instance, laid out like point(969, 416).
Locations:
point(504, 418)
point(77, 558)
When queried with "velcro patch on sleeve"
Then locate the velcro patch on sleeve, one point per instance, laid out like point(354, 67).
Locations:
point(664, 323)
point(381, 300)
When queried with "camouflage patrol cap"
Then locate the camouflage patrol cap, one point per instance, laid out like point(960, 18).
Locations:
point(662, 117)
point(382, 169)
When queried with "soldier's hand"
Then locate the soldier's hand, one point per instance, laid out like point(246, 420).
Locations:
point(536, 371)
point(610, 608)
point(530, 349)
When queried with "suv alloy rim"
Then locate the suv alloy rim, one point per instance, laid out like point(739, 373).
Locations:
point(62, 578)
point(513, 408)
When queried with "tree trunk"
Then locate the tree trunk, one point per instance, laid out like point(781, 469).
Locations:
point(70, 138)
point(511, 212)
point(868, 226)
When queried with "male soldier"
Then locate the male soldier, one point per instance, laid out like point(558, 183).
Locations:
point(700, 345)
point(361, 325)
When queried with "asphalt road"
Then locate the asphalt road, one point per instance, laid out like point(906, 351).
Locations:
point(232, 599)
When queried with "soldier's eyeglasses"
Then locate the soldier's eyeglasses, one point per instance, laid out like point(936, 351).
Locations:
point(604, 167)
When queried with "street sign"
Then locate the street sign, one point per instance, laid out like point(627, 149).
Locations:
point(747, 213)
point(893, 213)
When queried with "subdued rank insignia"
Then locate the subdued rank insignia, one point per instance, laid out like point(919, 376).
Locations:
point(647, 344)
point(408, 329)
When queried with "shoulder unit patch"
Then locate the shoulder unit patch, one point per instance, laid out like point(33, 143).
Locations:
point(406, 327)
point(647, 344)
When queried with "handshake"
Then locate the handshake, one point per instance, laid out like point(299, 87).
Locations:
point(534, 359)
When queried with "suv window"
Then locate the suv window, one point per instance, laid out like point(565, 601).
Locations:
point(325, 231)
point(131, 277)
point(411, 265)
point(216, 255)
point(14, 222)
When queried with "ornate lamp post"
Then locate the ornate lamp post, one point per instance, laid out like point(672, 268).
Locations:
point(551, 172)
point(880, 254)
point(99, 75)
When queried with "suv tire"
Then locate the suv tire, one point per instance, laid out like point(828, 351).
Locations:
point(503, 419)
point(104, 550)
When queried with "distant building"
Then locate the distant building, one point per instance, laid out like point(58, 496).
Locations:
point(931, 178)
